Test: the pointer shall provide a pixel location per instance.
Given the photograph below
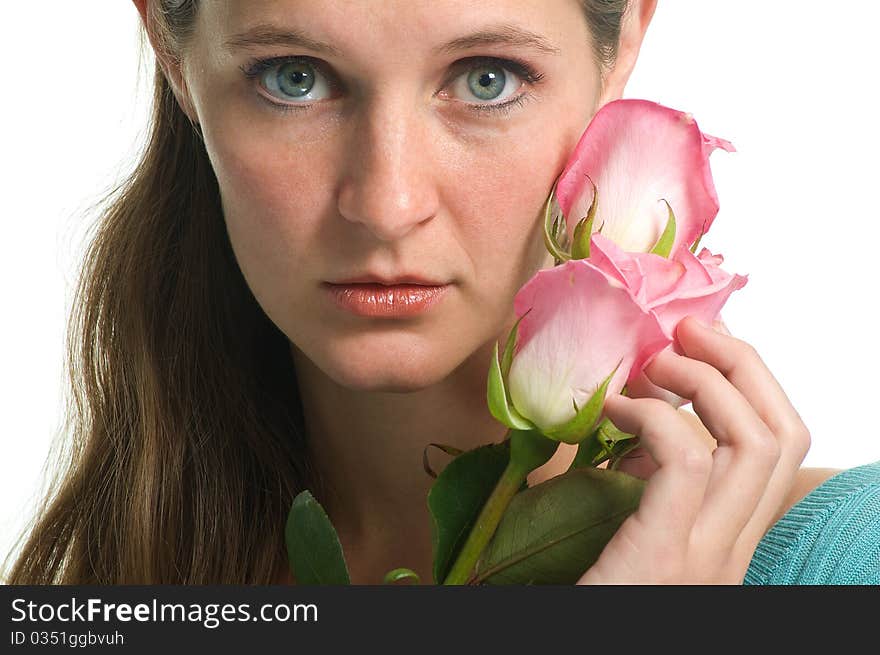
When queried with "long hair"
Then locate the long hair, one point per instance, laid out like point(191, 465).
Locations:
point(183, 444)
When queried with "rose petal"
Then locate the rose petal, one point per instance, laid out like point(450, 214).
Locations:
point(582, 324)
point(638, 152)
point(704, 304)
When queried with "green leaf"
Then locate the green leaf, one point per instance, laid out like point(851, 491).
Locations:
point(553, 532)
point(449, 450)
point(581, 426)
point(401, 574)
point(664, 244)
point(583, 231)
point(313, 547)
point(497, 399)
point(458, 495)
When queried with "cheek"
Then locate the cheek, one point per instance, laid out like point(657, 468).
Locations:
point(261, 184)
point(270, 195)
point(497, 201)
point(272, 212)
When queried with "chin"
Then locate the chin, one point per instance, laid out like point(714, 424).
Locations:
point(387, 376)
point(400, 368)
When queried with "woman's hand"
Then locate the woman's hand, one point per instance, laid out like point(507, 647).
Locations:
point(703, 511)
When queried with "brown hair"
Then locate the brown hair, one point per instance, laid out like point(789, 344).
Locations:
point(186, 439)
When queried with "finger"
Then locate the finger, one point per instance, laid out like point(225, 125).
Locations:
point(674, 493)
point(747, 451)
point(745, 369)
point(638, 462)
point(641, 387)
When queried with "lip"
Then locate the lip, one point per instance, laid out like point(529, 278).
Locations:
point(377, 300)
point(378, 279)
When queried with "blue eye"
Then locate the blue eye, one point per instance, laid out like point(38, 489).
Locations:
point(485, 82)
point(294, 79)
point(487, 78)
point(291, 80)
point(287, 78)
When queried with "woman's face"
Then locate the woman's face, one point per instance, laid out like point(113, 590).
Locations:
point(414, 144)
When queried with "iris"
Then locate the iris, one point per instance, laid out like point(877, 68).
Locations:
point(295, 78)
point(487, 82)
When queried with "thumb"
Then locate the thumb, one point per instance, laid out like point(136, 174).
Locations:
point(642, 387)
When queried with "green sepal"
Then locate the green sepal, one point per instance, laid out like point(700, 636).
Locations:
point(529, 449)
point(664, 244)
point(605, 442)
point(589, 451)
point(510, 346)
point(697, 242)
point(612, 439)
point(401, 574)
point(595, 449)
point(618, 454)
point(496, 397)
point(583, 231)
point(551, 228)
point(560, 232)
point(580, 427)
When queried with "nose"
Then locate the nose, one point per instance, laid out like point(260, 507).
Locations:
point(388, 179)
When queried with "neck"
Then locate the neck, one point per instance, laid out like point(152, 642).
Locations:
point(367, 448)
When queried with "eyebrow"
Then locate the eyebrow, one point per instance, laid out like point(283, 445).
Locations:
point(503, 34)
point(264, 34)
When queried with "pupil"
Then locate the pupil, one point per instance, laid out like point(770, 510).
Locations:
point(295, 79)
point(487, 83)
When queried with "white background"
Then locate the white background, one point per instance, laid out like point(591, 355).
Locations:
point(793, 85)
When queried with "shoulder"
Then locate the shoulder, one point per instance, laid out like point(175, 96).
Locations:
point(828, 533)
point(806, 480)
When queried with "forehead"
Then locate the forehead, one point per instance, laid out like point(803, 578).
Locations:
point(403, 28)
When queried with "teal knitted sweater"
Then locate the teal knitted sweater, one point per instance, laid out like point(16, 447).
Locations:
point(830, 537)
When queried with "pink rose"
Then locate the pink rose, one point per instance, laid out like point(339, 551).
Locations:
point(578, 324)
point(590, 325)
point(684, 285)
point(637, 153)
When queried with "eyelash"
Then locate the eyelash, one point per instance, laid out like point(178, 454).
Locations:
point(521, 69)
